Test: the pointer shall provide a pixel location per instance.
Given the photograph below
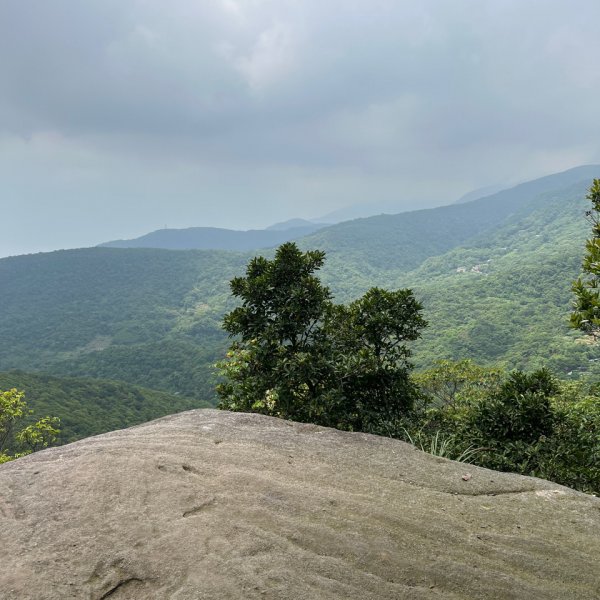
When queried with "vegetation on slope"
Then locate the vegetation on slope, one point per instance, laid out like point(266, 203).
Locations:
point(532, 424)
point(505, 299)
point(17, 437)
point(129, 314)
point(90, 406)
point(152, 317)
point(387, 246)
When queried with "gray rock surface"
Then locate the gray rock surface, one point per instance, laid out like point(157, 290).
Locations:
point(209, 504)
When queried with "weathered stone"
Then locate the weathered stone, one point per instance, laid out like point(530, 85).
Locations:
point(209, 504)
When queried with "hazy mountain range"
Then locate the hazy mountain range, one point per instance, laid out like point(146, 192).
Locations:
point(494, 275)
point(214, 238)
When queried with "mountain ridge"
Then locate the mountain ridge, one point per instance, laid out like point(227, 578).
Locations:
point(152, 317)
point(214, 238)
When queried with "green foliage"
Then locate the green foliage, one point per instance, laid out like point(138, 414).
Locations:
point(370, 355)
point(450, 392)
point(586, 312)
point(302, 357)
point(519, 411)
point(277, 366)
point(282, 299)
point(17, 439)
point(148, 317)
point(452, 384)
point(530, 424)
point(572, 454)
point(153, 317)
point(90, 406)
point(513, 424)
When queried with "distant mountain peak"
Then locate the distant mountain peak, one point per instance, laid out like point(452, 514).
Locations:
point(214, 238)
point(294, 224)
point(482, 192)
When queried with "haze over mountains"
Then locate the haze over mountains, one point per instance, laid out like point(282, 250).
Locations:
point(402, 242)
point(481, 193)
point(460, 225)
point(154, 156)
point(494, 275)
point(213, 238)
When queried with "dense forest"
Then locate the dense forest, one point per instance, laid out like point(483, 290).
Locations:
point(494, 276)
point(104, 338)
point(91, 406)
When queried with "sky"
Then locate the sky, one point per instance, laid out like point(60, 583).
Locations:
point(119, 117)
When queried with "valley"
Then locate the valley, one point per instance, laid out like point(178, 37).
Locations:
point(494, 275)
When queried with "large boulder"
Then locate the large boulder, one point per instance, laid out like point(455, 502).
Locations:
point(208, 504)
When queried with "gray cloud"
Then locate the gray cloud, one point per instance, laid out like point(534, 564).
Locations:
point(118, 116)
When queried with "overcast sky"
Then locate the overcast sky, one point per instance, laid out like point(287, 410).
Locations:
point(118, 117)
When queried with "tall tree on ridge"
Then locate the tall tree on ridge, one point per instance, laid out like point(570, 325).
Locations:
point(586, 310)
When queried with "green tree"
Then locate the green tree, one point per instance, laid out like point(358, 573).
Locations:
point(456, 384)
point(371, 357)
point(586, 312)
point(300, 356)
point(17, 439)
point(277, 365)
point(520, 411)
point(528, 423)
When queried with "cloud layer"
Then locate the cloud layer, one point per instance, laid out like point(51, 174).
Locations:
point(121, 116)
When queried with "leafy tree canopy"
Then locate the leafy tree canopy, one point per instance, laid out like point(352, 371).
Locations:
point(528, 423)
point(453, 383)
point(17, 439)
point(586, 313)
point(300, 356)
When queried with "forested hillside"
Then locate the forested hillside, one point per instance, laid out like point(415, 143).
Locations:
point(494, 275)
point(91, 406)
point(150, 317)
point(385, 246)
point(505, 298)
